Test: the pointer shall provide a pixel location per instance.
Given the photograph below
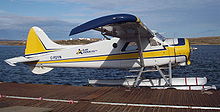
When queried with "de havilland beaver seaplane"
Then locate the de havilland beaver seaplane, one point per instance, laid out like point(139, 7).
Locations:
point(132, 45)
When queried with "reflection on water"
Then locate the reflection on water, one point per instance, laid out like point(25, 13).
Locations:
point(205, 63)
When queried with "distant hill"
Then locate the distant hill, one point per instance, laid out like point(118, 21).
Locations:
point(193, 41)
point(205, 41)
point(76, 42)
point(62, 42)
point(12, 42)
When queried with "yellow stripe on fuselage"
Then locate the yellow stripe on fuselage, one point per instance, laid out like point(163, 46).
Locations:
point(169, 51)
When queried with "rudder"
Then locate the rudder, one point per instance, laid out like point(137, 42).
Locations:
point(39, 42)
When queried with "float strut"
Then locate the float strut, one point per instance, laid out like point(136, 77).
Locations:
point(169, 79)
point(170, 73)
point(137, 81)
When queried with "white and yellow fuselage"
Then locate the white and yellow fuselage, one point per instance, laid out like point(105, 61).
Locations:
point(102, 54)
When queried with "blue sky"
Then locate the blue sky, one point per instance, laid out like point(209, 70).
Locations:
point(173, 18)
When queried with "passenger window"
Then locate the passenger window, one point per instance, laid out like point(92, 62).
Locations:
point(130, 46)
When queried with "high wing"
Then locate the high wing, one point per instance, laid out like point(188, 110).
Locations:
point(124, 26)
point(117, 25)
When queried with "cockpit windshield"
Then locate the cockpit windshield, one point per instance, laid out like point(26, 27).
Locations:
point(159, 36)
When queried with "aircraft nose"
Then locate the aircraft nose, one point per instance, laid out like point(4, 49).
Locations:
point(188, 51)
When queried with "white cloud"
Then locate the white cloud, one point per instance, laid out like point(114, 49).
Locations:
point(15, 25)
point(137, 5)
point(163, 15)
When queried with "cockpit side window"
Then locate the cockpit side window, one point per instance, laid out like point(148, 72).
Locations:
point(130, 46)
point(153, 42)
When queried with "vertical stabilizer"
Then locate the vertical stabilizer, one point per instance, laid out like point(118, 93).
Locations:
point(39, 42)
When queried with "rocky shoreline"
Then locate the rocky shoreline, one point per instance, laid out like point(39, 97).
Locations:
point(193, 41)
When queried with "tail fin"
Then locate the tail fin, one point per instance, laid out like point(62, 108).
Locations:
point(38, 42)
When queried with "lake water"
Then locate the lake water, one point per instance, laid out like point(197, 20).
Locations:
point(205, 63)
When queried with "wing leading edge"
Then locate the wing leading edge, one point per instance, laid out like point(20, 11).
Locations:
point(117, 25)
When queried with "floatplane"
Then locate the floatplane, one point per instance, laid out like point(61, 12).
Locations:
point(127, 43)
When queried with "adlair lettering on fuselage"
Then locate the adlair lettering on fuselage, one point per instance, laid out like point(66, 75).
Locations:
point(85, 51)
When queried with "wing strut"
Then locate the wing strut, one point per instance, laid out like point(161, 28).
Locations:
point(140, 52)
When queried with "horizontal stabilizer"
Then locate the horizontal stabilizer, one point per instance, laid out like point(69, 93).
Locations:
point(34, 69)
point(22, 59)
